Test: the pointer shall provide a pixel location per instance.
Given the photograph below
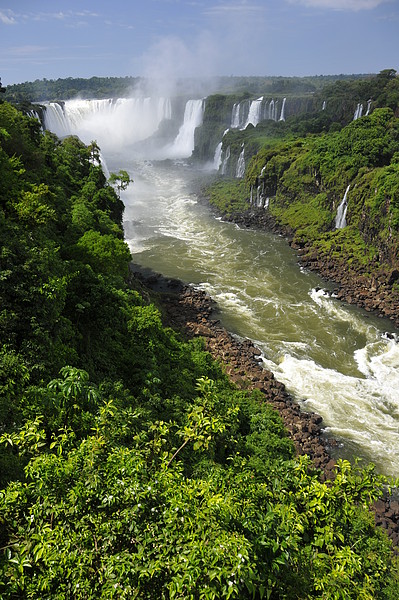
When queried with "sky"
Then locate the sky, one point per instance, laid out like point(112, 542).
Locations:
point(195, 38)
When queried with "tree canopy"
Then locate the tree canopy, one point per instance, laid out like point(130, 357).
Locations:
point(130, 466)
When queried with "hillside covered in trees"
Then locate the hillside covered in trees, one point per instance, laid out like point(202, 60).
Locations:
point(130, 466)
point(331, 183)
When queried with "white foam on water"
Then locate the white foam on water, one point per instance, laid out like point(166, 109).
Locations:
point(364, 411)
point(338, 311)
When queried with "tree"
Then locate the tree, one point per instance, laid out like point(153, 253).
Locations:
point(120, 180)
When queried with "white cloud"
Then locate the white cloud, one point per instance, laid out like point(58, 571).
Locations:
point(26, 51)
point(233, 9)
point(346, 5)
point(7, 17)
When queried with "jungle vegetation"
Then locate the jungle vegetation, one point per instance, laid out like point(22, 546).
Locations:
point(130, 466)
point(305, 164)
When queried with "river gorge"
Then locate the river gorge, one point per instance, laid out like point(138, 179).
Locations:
point(333, 358)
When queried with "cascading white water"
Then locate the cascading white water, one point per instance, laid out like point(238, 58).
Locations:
point(273, 110)
point(235, 116)
point(240, 170)
point(254, 115)
point(368, 107)
point(255, 111)
point(358, 112)
point(340, 219)
point(225, 161)
point(113, 123)
point(282, 115)
point(34, 114)
point(217, 157)
point(324, 105)
point(183, 145)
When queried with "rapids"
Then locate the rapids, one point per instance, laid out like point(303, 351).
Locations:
point(335, 359)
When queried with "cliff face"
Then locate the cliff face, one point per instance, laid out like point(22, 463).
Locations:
point(307, 112)
point(354, 173)
point(233, 112)
point(336, 196)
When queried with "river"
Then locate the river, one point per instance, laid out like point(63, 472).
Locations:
point(335, 359)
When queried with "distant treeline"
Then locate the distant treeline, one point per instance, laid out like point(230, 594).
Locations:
point(63, 89)
point(111, 87)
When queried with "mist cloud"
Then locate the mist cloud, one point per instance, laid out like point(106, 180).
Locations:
point(171, 58)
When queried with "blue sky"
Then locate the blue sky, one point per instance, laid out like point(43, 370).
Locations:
point(82, 38)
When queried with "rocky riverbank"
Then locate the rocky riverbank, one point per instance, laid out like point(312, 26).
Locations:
point(193, 312)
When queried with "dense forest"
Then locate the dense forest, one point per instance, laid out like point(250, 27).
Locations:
point(131, 467)
point(116, 87)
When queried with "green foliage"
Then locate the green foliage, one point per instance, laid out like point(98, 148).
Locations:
point(138, 470)
point(118, 521)
point(62, 89)
point(120, 180)
point(228, 196)
point(104, 253)
point(305, 180)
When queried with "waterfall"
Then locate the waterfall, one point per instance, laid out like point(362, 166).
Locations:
point(55, 119)
point(265, 111)
point(255, 111)
point(254, 115)
point(368, 107)
point(183, 145)
point(225, 161)
point(324, 105)
point(33, 114)
point(235, 116)
point(282, 116)
point(112, 123)
point(239, 114)
point(259, 202)
point(273, 110)
point(240, 170)
point(358, 112)
point(217, 157)
point(340, 219)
